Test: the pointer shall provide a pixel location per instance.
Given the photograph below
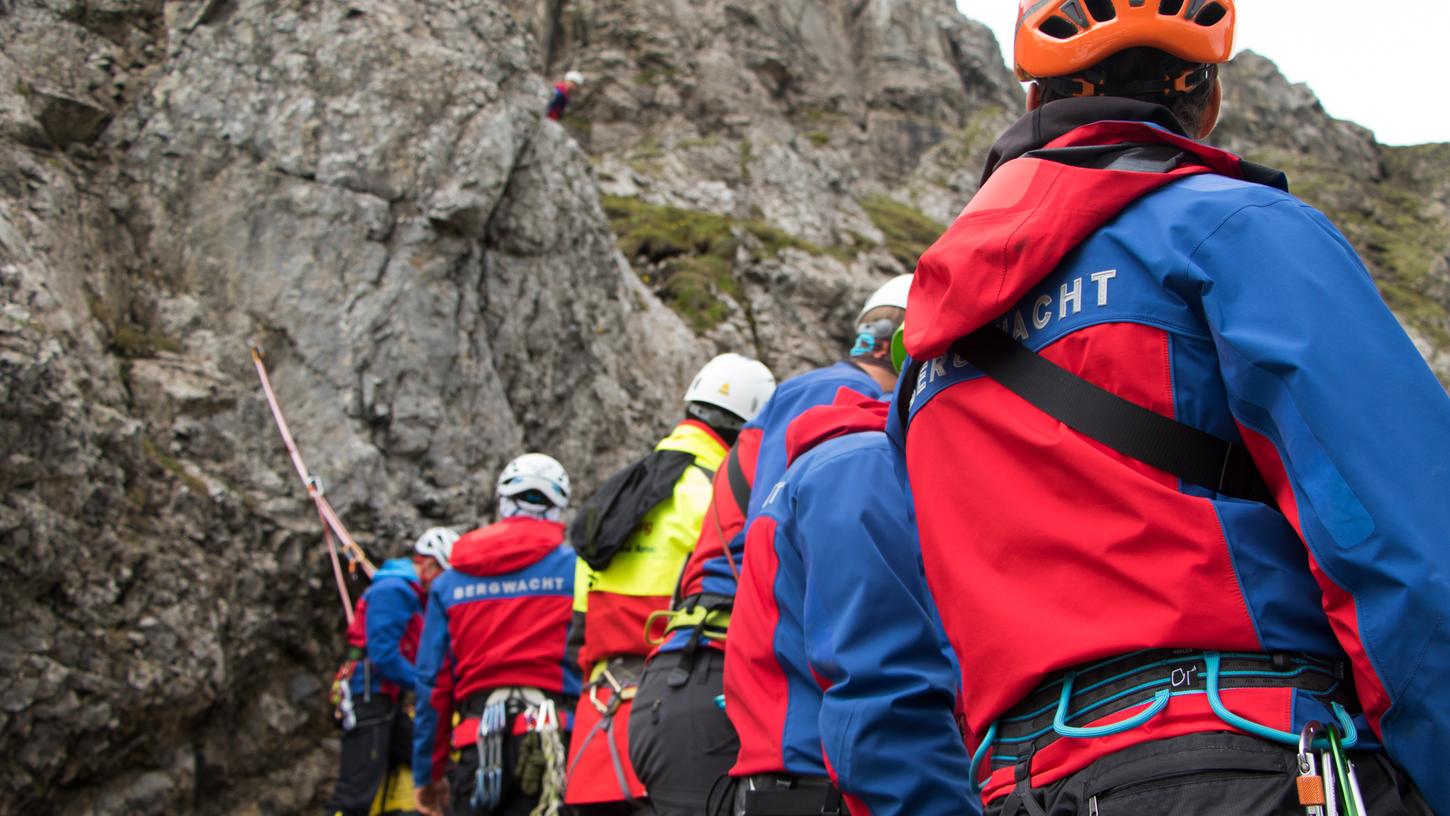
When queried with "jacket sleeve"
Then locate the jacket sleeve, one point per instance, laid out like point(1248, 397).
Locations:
point(873, 639)
point(433, 721)
point(390, 607)
point(1352, 432)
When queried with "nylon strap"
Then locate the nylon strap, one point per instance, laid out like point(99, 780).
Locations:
point(1128, 428)
point(739, 485)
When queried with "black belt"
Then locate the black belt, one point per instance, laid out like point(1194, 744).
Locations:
point(786, 795)
point(475, 703)
point(1101, 689)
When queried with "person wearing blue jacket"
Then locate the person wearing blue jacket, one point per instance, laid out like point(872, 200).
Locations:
point(383, 641)
point(680, 742)
point(806, 631)
point(1141, 633)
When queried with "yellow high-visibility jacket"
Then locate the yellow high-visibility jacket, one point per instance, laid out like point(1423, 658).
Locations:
point(611, 605)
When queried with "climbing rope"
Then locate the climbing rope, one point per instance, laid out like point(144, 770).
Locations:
point(551, 744)
point(331, 524)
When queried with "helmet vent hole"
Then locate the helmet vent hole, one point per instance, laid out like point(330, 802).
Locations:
point(1058, 28)
point(1211, 14)
point(1101, 10)
point(1170, 8)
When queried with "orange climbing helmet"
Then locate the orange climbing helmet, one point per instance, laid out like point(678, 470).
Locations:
point(1058, 38)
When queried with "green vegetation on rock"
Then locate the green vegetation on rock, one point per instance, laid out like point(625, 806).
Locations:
point(691, 254)
point(172, 465)
point(908, 231)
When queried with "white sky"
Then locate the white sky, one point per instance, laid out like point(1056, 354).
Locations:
point(1368, 63)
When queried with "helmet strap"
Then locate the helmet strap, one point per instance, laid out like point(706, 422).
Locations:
point(1095, 83)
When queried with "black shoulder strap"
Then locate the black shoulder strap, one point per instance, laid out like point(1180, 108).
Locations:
point(739, 485)
point(1126, 427)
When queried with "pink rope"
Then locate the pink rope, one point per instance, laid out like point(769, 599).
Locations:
point(331, 524)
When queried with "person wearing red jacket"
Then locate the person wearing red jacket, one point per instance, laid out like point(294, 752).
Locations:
point(803, 626)
point(680, 740)
point(493, 648)
point(559, 102)
point(1179, 475)
point(383, 642)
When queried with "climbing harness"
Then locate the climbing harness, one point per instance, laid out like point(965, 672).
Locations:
point(706, 615)
point(620, 692)
point(544, 722)
point(493, 729)
point(1093, 692)
point(331, 523)
point(539, 766)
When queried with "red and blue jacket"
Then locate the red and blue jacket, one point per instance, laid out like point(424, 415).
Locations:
point(386, 626)
point(809, 664)
point(1227, 305)
point(760, 452)
point(499, 617)
point(559, 101)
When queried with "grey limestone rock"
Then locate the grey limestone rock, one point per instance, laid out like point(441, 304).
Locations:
point(369, 191)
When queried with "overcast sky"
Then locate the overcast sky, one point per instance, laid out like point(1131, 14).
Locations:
point(1369, 63)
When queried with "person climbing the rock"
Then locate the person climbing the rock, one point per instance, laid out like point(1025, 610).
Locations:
point(1179, 474)
point(373, 685)
point(559, 102)
point(633, 536)
point(681, 742)
point(494, 683)
point(841, 502)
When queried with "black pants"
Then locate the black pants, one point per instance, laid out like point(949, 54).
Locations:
point(680, 741)
point(1204, 775)
point(640, 808)
point(382, 737)
point(462, 781)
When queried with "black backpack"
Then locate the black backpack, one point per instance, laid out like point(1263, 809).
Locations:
point(609, 516)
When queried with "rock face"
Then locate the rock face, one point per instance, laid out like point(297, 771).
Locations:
point(1393, 203)
point(370, 194)
point(369, 191)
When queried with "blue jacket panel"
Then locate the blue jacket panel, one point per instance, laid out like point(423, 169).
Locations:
point(790, 400)
point(391, 605)
point(847, 550)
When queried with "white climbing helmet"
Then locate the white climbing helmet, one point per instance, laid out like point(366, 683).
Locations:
point(574, 77)
point(436, 543)
point(738, 384)
point(891, 293)
point(535, 471)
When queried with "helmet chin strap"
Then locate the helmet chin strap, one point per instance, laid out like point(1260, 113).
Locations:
point(508, 507)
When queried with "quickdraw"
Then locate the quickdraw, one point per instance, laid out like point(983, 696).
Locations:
point(1326, 780)
point(331, 523)
point(493, 729)
point(341, 697)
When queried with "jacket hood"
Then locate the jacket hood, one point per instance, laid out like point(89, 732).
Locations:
point(1035, 207)
point(850, 412)
point(397, 568)
point(506, 546)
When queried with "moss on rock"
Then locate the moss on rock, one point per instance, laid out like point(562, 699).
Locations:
point(690, 255)
point(908, 231)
